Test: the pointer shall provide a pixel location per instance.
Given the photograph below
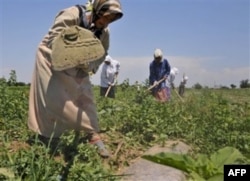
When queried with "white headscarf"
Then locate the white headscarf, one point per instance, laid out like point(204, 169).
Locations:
point(158, 53)
point(174, 71)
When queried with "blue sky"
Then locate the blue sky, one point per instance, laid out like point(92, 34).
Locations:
point(208, 40)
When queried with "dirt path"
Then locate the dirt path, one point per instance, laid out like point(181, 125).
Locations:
point(144, 170)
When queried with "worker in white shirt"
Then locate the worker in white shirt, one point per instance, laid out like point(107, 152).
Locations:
point(170, 81)
point(110, 70)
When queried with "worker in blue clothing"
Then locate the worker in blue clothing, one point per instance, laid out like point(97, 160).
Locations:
point(159, 71)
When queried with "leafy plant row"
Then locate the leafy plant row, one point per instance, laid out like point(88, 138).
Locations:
point(207, 120)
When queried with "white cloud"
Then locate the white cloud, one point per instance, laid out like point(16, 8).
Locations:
point(137, 69)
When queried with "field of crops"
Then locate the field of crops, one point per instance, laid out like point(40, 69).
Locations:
point(206, 119)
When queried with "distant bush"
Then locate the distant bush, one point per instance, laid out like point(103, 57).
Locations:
point(224, 87)
point(233, 86)
point(244, 84)
point(197, 86)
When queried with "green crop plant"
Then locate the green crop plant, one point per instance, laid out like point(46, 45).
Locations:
point(202, 167)
point(207, 120)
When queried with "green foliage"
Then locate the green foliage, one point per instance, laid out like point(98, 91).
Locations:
point(13, 78)
point(244, 84)
point(202, 167)
point(233, 86)
point(197, 86)
point(3, 81)
point(13, 102)
point(131, 123)
point(29, 164)
point(125, 84)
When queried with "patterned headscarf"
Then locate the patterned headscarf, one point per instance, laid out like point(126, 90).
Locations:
point(104, 7)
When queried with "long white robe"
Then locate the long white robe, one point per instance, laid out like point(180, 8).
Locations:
point(61, 100)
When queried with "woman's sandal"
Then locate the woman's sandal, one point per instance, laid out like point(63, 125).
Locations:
point(96, 140)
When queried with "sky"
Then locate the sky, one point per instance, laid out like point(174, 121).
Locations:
point(207, 40)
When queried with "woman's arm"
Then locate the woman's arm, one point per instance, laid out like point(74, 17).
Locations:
point(65, 18)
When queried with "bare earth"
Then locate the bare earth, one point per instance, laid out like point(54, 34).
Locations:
point(144, 170)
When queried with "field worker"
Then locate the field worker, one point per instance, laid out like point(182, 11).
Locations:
point(182, 85)
point(110, 70)
point(159, 70)
point(138, 86)
point(170, 81)
point(61, 96)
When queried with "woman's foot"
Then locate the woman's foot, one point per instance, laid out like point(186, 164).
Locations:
point(95, 139)
point(101, 149)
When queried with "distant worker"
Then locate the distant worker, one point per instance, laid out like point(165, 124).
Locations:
point(138, 86)
point(182, 85)
point(170, 81)
point(159, 71)
point(110, 70)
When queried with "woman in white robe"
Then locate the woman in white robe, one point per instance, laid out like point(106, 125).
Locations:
point(63, 100)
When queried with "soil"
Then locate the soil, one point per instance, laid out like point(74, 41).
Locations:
point(137, 169)
point(144, 170)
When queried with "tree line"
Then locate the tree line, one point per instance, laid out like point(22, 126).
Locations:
point(12, 81)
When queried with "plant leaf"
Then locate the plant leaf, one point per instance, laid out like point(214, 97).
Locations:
point(7, 173)
point(218, 177)
point(178, 161)
point(227, 155)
